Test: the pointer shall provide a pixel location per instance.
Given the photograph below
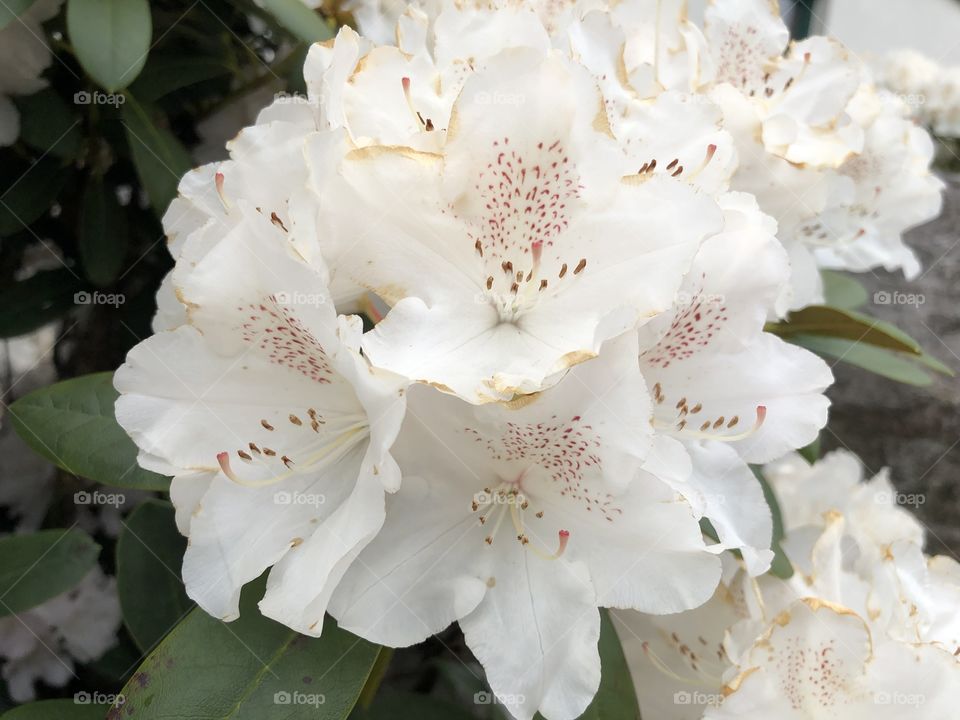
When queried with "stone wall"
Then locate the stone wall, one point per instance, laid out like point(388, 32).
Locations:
point(914, 431)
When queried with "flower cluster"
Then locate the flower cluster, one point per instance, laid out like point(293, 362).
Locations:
point(557, 222)
point(932, 91)
point(867, 622)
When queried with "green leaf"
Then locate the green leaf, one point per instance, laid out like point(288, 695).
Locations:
point(37, 567)
point(421, 707)
point(111, 39)
point(892, 365)
point(11, 9)
point(29, 193)
point(48, 124)
point(102, 233)
point(781, 566)
point(43, 297)
point(72, 424)
point(159, 157)
point(149, 556)
point(616, 699)
point(250, 669)
point(834, 322)
point(843, 291)
point(166, 74)
point(56, 710)
point(812, 452)
point(295, 17)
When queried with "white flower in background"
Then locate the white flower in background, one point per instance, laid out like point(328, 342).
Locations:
point(876, 613)
point(518, 522)
point(731, 393)
point(43, 643)
point(929, 89)
point(274, 427)
point(24, 55)
point(515, 253)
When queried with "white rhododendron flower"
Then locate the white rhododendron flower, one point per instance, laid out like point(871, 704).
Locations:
point(519, 522)
point(866, 623)
point(44, 642)
point(930, 90)
point(718, 380)
point(513, 254)
point(24, 55)
point(274, 427)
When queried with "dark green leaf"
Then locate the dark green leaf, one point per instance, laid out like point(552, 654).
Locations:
point(103, 233)
point(299, 20)
point(37, 567)
point(48, 124)
point(781, 566)
point(72, 424)
point(846, 324)
point(843, 291)
point(811, 453)
point(57, 710)
point(10, 9)
point(32, 303)
point(149, 556)
point(421, 707)
point(616, 699)
point(164, 75)
point(111, 39)
point(159, 157)
point(894, 366)
point(250, 669)
point(29, 194)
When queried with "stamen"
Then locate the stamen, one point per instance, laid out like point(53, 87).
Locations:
point(405, 82)
point(218, 179)
point(706, 429)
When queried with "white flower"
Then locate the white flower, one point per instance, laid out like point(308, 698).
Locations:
point(44, 642)
point(515, 253)
point(24, 55)
point(729, 392)
point(820, 661)
point(864, 601)
point(520, 521)
point(931, 91)
point(893, 191)
point(276, 430)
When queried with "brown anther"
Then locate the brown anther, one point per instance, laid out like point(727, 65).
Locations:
point(678, 171)
point(696, 408)
point(295, 420)
point(243, 455)
point(507, 266)
point(580, 266)
point(705, 426)
point(479, 247)
point(269, 453)
point(315, 426)
point(474, 505)
point(253, 448)
point(275, 219)
point(489, 282)
point(287, 461)
point(514, 288)
point(672, 165)
point(266, 425)
point(733, 421)
point(563, 270)
point(543, 284)
point(488, 540)
point(720, 420)
point(483, 519)
point(540, 514)
point(429, 125)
